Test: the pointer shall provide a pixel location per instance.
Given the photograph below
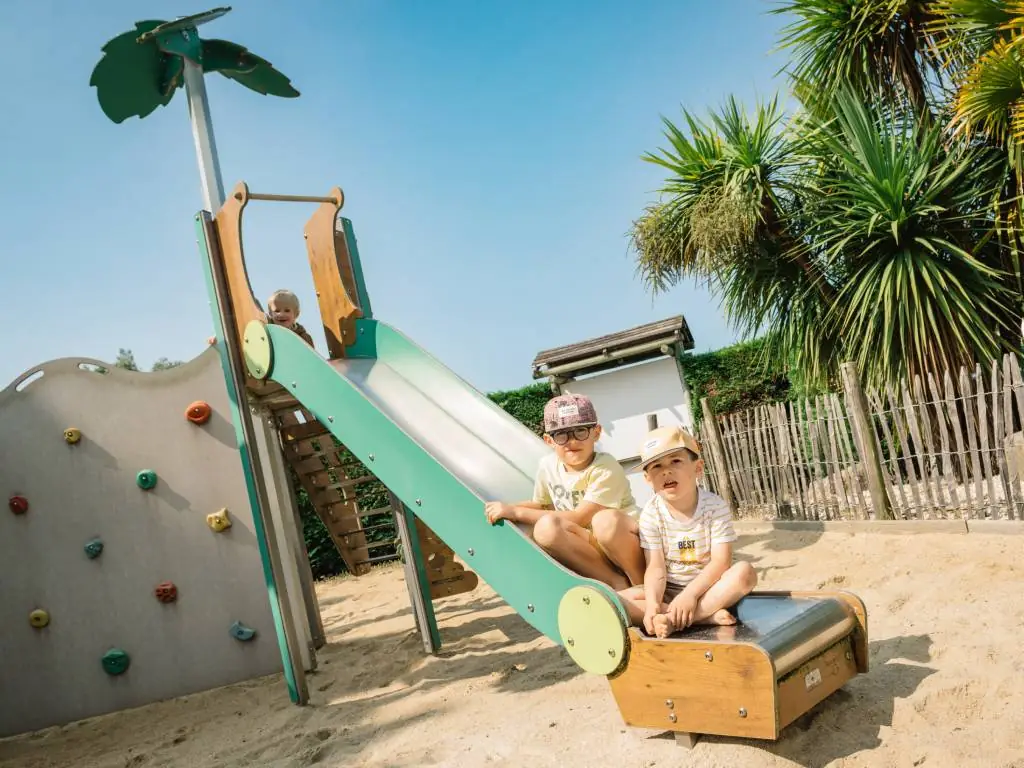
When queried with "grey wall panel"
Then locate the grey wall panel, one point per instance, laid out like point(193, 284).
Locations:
point(129, 421)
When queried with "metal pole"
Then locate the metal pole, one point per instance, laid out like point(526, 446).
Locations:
point(202, 134)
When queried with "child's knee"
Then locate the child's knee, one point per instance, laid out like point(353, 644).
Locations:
point(609, 524)
point(549, 531)
point(745, 574)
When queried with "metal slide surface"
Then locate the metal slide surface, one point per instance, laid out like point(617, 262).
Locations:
point(442, 447)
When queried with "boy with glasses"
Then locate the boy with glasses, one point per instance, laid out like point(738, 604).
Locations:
point(582, 512)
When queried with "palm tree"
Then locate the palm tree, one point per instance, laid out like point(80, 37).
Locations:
point(843, 236)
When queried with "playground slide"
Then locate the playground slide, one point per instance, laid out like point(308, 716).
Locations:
point(442, 447)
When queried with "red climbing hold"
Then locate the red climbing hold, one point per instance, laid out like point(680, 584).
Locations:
point(18, 505)
point(198, 412)
point(166, 592)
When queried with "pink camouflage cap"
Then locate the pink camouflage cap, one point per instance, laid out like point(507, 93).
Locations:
point(567, 411)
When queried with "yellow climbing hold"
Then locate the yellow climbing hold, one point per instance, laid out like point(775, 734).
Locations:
point(39, 618)
point(72, 435)
point(592, 629)
point(219, 520)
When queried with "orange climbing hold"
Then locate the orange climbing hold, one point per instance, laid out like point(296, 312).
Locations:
point(199, 412)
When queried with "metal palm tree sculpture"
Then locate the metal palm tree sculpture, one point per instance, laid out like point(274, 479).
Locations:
point(141, 69)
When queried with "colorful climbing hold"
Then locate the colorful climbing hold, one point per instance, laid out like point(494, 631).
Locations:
point(93, 548)
point(146, 479)
point(39, 618)
point(18, 505)
point(115, 661)
point(219, 520)
point(72, 435)
point(166, 592)
point(199, 412)
point(241, 632)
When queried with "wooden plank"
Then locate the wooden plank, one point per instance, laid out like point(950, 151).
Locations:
point(906, 451)
point(1018, 384)
point(911, 414)
point(928, 432)
point(832, 456)
point(803, 442)
point(999, 447)
point(1016, 497)
point(967, 395)
point(947, 477)
point(895, 480)
point(763, 457)
point(717, 454)
point(333, 278)
point(961, 452)
point(739, 487)
point(741, 468)
point(983, 432)
point(744, 434)
point(819, 478)
point(786, 460)
point(779, 449)
point(672, 685)
point(855, 468)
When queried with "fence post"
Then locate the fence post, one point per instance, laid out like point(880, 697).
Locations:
point(864, 434)
point(717, 454)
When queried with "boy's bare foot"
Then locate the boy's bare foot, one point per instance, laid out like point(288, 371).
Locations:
point(722, 618)
point(663, 625)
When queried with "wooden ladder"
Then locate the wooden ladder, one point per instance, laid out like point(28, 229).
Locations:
point(330, 476)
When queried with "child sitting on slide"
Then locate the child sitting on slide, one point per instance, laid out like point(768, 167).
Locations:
point(686, 533)
point(582, 512)
point(282, 309)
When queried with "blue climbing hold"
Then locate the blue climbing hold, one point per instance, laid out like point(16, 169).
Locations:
point(241, 632)
point(93, 548)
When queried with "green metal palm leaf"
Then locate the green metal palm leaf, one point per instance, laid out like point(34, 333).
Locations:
point(132, 80)
point(141, 69)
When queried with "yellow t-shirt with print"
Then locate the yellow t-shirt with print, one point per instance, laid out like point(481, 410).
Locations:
point(603, 482)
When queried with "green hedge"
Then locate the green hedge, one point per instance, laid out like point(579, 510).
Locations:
point(734, 378)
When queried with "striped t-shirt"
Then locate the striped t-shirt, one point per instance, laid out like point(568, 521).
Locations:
point(686, 543)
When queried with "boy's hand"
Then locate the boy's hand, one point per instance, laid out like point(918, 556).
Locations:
point(649, 615)
point(498, 510)
point(681, 610)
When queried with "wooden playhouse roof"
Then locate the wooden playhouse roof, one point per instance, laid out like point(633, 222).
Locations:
point(643, 342)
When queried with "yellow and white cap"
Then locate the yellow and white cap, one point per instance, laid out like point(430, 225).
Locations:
point(665, 440)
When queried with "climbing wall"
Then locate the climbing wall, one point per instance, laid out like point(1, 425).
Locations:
point(129, 565)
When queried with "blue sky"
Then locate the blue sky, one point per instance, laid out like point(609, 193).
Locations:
point(489, 153)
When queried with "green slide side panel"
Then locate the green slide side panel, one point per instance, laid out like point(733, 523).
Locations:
point(358, 414)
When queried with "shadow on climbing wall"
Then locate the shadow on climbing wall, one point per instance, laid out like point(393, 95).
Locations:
point(117, 591)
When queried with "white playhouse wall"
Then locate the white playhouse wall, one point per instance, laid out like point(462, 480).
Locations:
point(624, 398)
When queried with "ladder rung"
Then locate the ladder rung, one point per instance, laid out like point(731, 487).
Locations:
point(364, 530)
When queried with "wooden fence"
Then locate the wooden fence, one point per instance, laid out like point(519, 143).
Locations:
point(946, 447)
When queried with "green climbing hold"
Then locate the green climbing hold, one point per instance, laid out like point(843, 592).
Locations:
point(146, 479)
point(241, 632)
point(115, 661)
point(93, 548)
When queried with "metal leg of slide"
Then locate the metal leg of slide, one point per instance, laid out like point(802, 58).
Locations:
point(416, 576)
point(290, 541)
point(316, 622)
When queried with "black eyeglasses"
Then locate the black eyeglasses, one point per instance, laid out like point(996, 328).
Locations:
point(576, 433)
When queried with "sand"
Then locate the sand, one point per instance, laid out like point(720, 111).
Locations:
point(946, 687)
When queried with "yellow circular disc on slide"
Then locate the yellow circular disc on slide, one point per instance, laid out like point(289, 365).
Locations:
point(256, 348)
point(592, 630)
